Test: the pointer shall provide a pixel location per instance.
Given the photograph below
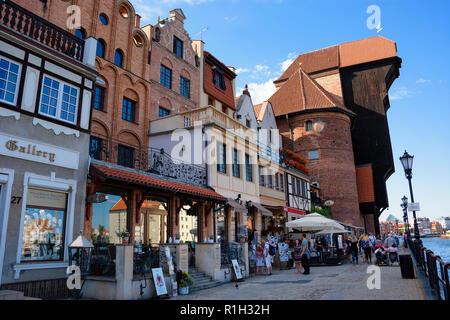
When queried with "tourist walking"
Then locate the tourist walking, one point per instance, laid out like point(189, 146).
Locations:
point(348, 248)
point(305, 254)
point(355, 250)
point(259, 260)
point(366, 246)
point(298, 256)
point(268, 258)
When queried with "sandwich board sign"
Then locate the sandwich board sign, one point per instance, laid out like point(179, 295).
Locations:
point(237, 270)
point(414, 206)
point(158, 279)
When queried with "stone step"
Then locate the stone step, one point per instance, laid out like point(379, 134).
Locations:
point(11, 295)
point(203, 286)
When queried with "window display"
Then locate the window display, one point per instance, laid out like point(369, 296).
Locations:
point(44, 222)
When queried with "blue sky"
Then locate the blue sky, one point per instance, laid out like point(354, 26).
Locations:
point(260, 37)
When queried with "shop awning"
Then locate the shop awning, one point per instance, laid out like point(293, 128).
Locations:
point(237, 206)
point(133, 177)
point(263, 210)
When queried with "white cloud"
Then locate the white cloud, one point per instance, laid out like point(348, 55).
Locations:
point(286, 63)
point(242, 70)
point(259, 68)
point(422, 80)
point(260, 92)
point(400, 93)
point(230, 19)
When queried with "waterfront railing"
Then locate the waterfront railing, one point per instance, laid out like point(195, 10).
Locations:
point(434, 269)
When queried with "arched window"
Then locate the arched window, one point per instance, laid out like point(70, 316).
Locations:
point(308, 125)
point(118, 58)
point(80, 33)
point(103, 19)
point(101, 48)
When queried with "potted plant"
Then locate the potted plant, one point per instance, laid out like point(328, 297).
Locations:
point(184, 281)
point(177, 238)
point(211, 239)
point(124, 235)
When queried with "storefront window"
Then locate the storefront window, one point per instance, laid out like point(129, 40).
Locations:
point(44, 222)
point(108, 219)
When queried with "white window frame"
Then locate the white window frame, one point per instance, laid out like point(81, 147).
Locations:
point(6, 182)
point(51, 183)
point(59, 102)
point(19, 74)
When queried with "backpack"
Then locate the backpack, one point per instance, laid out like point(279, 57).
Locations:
point(272, 250)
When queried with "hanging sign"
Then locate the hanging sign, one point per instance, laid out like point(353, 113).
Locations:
point(414, 206)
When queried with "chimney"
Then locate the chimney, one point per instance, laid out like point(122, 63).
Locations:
point(137, 21)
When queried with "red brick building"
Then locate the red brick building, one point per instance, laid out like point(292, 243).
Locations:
point(331, 108)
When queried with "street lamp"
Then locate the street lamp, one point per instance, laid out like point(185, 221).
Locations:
point(404, 206)
point(407, 162)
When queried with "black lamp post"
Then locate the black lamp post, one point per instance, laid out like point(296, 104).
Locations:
point(407, 162)
point(404, 206)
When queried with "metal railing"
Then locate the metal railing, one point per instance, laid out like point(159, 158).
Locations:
point(32, 26)
point(152, 160)
point(434, 268)
point(267, 152)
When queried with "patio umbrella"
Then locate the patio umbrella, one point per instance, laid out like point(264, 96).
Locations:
point(316, 222)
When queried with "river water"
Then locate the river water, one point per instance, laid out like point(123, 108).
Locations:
point(440, 247)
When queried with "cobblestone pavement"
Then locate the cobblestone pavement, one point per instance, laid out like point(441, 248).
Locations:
point(343, 282)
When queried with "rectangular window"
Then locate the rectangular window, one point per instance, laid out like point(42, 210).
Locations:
point(95, 148)
point(248, 168)
point(128, 110)
point(219, 79)
point(166, 77)
point(277, 186)
point(221, 158)
point(125, 156)
point(281, 182)
point(185, 87)
point(313, 155)
point(59, 100)
point(163, 112)
point(261, 176)
point(269, 181)
point(99, 99)
point(236, 165)
point(9, 80)
point(43, 226)
point(178, 47)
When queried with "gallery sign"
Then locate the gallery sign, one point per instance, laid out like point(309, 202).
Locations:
point(21, 148)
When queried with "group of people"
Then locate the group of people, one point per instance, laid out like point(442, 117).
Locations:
point(368, 244)
point(263, 255)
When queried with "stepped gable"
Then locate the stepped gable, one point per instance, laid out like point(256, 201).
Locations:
point(302, 93)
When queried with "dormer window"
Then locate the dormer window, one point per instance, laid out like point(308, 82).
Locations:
point(248, 123)
point(219, 79)
point(178, 47)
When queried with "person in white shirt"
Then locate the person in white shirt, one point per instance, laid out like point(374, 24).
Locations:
point(267, 257)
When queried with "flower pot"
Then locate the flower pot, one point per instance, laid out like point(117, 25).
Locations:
point(125, 240)
point(184, 291)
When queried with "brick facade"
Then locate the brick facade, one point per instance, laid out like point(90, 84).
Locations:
point(335, 168)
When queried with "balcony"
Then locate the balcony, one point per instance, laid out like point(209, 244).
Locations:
point(269, 154)
point(20, 20)
point(203, 116)
point(151, 160)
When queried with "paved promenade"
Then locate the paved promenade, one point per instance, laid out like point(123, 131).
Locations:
point(344, 282)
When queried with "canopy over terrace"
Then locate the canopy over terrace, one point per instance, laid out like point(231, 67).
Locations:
point(136, 187)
